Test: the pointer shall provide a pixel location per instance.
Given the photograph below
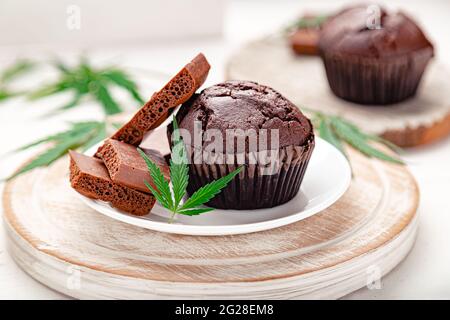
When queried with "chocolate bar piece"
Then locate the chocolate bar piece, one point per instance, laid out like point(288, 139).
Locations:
point(177, 91)
point(305, 41)
point(89, 177)
point(126, 166)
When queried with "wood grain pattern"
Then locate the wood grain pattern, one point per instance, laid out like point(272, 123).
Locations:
point(50, 232)
point(420, 120)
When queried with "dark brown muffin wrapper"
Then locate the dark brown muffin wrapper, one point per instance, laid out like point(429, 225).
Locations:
point(376, 81)
point(251, 189)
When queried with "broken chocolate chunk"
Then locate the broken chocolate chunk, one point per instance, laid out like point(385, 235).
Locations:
point(89, 177)
point(126, 166)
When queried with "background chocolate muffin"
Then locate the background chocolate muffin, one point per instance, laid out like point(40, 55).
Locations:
point(248, 106)
point(372, 63)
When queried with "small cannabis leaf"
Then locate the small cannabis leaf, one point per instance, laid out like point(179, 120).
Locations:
point(307, 22)
point(178, 166)
point(85, 81)
point(19, 68)
point(81, 135)
point(171, 199)
point(6, 94)
point(337, 130)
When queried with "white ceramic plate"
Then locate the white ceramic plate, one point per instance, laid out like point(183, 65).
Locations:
point(327, 178)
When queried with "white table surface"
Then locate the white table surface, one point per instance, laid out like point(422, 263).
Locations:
point(425, 273)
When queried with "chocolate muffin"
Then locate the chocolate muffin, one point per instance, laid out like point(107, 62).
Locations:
point(249, 125)
point(373, 58)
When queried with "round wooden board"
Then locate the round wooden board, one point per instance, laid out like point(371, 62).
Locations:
point(420, 120)
point(77, 251)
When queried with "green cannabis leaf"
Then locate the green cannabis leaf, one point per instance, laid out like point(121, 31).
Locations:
point(337, 130)
point(6, 94)
point(171, 199)
point(178, 166)
point(81, 135)
point(17, 69)
point(307, 22)
point(83, 81)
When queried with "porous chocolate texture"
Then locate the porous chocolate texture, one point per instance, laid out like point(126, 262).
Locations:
point(177, 91)
point(89, 177)
point(126, 166)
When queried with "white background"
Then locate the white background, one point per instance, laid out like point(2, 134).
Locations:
point(426, 271)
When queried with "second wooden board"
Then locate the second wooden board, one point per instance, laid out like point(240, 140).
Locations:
point(419, 120)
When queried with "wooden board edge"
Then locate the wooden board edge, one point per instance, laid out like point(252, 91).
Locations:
point(419, 136)
point(326, 292)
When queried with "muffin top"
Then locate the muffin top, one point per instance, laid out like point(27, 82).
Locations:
point(349, 32)
point(246, 105)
